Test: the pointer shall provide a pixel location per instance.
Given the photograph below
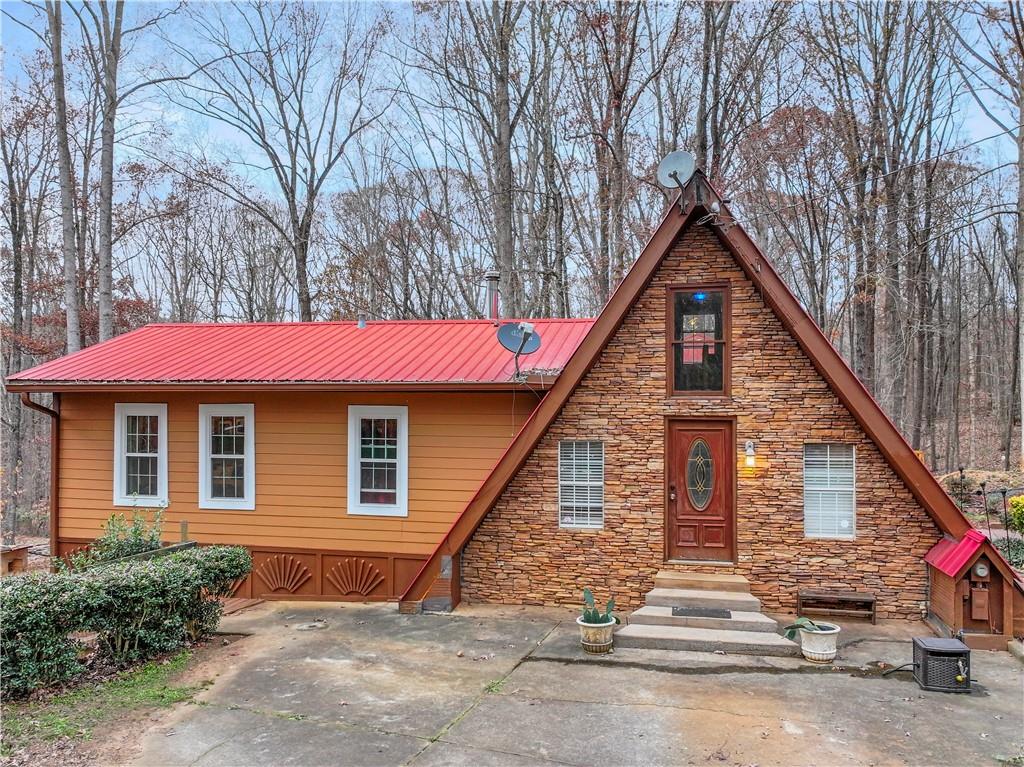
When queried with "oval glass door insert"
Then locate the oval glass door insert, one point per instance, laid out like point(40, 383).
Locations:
point(700, 475)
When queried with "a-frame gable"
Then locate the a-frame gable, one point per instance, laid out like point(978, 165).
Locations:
point(695, 203)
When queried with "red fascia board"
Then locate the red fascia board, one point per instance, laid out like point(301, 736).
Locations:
point(542, 384)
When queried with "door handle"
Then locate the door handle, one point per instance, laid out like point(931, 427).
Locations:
point(671, 492)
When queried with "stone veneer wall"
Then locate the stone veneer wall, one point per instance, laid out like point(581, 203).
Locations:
point(520, 555)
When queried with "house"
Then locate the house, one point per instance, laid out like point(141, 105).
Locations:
point(701, 424)
point(339, 454)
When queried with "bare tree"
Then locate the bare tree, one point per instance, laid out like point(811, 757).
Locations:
point(485, 70)
point(295, 88)
point(67, 186)
point(997, 56)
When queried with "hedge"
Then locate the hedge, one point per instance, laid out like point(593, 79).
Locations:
point(1012, 549)
point(137, 609)
point(1016, 513)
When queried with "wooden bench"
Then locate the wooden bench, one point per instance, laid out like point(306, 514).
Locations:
point(824, 602)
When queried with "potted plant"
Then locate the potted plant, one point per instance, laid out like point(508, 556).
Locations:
point(817, 639)
point(596, 626)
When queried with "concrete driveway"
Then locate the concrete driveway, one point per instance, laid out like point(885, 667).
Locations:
point(362, 685)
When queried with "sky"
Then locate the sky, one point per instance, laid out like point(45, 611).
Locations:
point(17, 41)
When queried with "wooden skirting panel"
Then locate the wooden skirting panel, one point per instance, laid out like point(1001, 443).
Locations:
point(315, 575)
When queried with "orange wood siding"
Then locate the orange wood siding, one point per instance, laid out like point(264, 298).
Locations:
point(943, 594)
point(301, 467)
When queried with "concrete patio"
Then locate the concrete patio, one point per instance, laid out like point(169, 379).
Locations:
point(362, 685)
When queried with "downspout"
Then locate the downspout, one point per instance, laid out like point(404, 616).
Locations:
point(54, 414)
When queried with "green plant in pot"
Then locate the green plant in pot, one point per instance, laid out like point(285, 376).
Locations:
point(817, 638)
point(596, 626)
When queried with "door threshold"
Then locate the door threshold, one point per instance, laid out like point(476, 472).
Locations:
point(706, 562)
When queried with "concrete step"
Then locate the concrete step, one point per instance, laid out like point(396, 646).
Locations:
point(654, 615)
point(726, 600)
point(704, 640)
point(669, 579)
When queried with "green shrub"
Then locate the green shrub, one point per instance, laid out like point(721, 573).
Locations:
point(219, 568)
point(157, 604)
point(1012, 549)
point(1016, 513)
point(121, 538)
point(142, 616)
point(38, 612)
point(138, 609)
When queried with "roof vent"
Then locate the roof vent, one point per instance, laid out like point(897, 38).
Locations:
point(361, 320)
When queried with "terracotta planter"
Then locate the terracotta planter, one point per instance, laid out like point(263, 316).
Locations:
point(819, 646)
point(596, 638)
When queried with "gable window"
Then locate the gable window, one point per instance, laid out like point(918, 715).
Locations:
point(140, 454)
point(227, 471)
point(698, 334)
point(829, 491)
point(581, 483)
point(378, 460)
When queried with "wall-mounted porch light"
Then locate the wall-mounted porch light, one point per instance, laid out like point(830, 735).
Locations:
point(750, 461)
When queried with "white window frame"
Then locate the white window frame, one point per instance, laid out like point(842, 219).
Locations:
point(592, 483)
point(401, 506)
point(206, 413)
point(121, 412)
point(853, 493)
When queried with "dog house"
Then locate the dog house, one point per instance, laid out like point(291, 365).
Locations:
point(971, 594)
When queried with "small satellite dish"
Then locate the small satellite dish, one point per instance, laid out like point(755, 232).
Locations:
point(519, 338)
point(675, 170)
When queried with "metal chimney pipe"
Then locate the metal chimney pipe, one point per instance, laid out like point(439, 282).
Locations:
point(361, 320)
point(493, 295)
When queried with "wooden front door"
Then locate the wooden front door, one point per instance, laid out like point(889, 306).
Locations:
point(700, 468)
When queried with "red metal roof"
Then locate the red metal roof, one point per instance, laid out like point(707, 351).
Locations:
point(950, 556)
point(385, 352)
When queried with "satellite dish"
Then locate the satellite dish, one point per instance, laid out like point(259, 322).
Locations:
point(519, 337)
point(676, 169)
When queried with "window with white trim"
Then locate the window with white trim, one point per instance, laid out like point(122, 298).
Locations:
point(829, 491)
point(140, 454)
point(227, 465)
point(378, 460)
point(581, 483)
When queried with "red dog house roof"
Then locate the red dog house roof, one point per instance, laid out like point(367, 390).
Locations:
point(950, 556)
point(431, 352)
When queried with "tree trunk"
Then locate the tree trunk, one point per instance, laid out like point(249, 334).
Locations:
point(67, 191)
point(1020, 263)
point(301, 251)
point(504, 245)
point(110, 55)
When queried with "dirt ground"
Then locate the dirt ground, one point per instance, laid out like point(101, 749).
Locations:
point(319, 684)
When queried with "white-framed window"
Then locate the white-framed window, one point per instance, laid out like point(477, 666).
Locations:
point(140, 454)
point(378, 460)
point(581, 483)
point(830, 501)
point(227, 457)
